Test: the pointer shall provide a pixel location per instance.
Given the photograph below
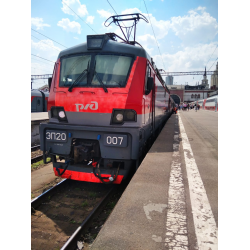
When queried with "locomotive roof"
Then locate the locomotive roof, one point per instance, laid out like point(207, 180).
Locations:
point(109, 46)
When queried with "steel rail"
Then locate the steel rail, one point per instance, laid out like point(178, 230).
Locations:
point(36, 158)
point(72, 241)
point(34, 148)
point(44, 196)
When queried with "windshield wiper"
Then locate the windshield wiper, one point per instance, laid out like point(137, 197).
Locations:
point(100, 80)
point(83, 74)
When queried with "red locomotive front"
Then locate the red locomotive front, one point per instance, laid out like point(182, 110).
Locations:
point(106, 102)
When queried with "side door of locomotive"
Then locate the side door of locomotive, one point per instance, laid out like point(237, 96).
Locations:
point(149, 102)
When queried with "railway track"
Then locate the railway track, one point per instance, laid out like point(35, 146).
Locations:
point(61, 214)
point(36, 158)
point(34, 148)
point(36, 154)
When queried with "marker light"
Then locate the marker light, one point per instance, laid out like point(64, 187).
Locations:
point(61, 114)
point(58, 113)
point(119, 117)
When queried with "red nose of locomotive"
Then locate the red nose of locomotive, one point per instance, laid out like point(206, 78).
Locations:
point(96, 111)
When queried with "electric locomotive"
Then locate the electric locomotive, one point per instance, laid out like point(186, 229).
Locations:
point(107, 100)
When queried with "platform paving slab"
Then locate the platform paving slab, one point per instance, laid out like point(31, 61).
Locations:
point(143, 205)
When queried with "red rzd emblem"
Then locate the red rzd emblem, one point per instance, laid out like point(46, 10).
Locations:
point(93, 106)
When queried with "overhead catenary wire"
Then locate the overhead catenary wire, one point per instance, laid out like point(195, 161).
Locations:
point(38, 69)
point(42, 58)
point(40, 61)
point(114, 11)
point(112, 7)
point(210, 58)
point(154, 34)
point(49, 38)
point(45, 43)
point(79, 16)
point(213, 63)
point(211, 55)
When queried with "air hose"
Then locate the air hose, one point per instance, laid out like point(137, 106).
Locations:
point(111, 179)
point(58, 171)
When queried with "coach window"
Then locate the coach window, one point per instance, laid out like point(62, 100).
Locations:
point(148, 74)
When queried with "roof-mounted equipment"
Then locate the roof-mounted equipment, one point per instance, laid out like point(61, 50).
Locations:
point(96, 41)
point(118, 19)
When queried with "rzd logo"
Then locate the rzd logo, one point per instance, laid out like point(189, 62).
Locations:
point(93, 106)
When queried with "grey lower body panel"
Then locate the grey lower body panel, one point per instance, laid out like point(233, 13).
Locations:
point(135, 139)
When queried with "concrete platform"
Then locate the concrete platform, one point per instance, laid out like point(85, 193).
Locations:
point(36, 119)
point(38, 116)
point(172, 200)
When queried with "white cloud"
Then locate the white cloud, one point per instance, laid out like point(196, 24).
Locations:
point(160, 27)
point(195, 27)
point(146, 40)
point(70, 26)
point(45, 45)
point(188, 59)
point(38, 23)
point(104, 13)
point(130, 11)
point(90, 19)
point(76, 38)
point(76, 6)
point(202, 9)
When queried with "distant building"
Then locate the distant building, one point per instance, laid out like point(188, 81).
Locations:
point(187, 93)
point(214, 79)
point(169, 80)
point(204, 81)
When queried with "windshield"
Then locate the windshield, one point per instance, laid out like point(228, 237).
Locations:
point(103, 70)
point(111, 69)
point(72, 68)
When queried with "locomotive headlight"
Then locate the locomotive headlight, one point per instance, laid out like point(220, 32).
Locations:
point(58, 113)
point(61, 114)
point(119, 117)
point(130, 115)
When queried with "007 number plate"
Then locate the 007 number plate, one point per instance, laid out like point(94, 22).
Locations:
point(115, 140)
point(56, 136)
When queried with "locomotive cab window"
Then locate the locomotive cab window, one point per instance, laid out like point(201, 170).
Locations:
point(111, 70)
point(95, 70)
point(72, 69)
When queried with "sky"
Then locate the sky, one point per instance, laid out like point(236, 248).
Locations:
point(180, 36)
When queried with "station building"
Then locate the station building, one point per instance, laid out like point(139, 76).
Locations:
point(187, 93)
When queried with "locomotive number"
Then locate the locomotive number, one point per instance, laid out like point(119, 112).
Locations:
point(56, 136)
point(115, 140)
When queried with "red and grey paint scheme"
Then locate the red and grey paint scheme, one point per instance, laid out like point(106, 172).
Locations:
point(91, 143)
point(211, 103)
point(39, 100)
